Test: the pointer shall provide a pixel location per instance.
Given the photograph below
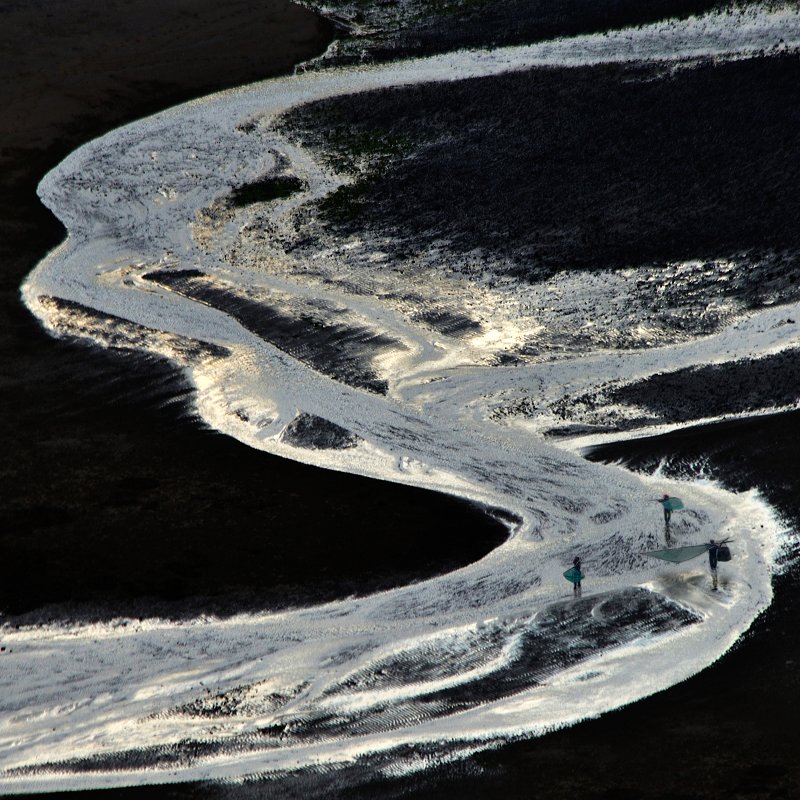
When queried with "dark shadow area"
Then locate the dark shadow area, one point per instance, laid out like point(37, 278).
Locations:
point(745, 386)
point(127, 502)
point(438, 26)
point(716, 389)
point(608, 166)
point(343, 351)
point(493, 24)
point(266, 190)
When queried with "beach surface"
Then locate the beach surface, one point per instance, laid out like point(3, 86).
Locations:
point(92, 447)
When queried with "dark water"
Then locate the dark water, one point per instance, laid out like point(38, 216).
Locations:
point(129, 505)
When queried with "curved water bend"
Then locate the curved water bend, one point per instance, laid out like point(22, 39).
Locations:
point(291, 358)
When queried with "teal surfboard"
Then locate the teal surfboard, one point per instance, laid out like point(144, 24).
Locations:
point(676, 555)
point(672, 503)
point(573, 575)
point(679, 554)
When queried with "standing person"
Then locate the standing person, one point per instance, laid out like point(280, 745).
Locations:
point(576, 583)
point(575, 576)
point(667, 508)
point(713, 552)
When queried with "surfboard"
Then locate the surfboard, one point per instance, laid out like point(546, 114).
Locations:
point(574, 575)
point(672, 503)
point(679, 554)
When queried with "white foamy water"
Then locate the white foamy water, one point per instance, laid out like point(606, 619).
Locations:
point(491, 652)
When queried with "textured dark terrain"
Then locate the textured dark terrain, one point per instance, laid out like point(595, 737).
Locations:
point(606, 166)
point(390, 30)
point(744, 386)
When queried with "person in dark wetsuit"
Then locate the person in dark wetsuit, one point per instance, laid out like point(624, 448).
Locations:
point(713, 551)
point(576, 586)
point(667, 511)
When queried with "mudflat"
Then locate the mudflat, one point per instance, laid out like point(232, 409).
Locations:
point(115, 500)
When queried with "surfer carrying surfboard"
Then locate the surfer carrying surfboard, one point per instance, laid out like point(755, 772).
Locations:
point(717, 551)
point(670, 504)
point(575, 576)
point(667, 508)
point(713, 553)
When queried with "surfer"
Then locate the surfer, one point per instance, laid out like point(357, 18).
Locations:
point(713, 552)
point(667, 508)
point(575, 576)
point(576, 586)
